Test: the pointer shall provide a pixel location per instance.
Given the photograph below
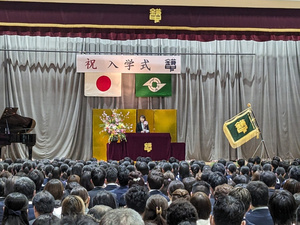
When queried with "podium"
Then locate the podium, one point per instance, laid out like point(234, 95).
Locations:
point(157, 146)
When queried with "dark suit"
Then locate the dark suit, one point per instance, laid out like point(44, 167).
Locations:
point(139, 128)
point(259, 217)
point(158, 192)
point(93, 193)
point(120, 193)
point(111, 187)
point(31, 215)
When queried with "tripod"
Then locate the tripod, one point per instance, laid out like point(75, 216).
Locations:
point(262, 142)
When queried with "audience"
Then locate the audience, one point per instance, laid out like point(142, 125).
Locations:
point(60, 191)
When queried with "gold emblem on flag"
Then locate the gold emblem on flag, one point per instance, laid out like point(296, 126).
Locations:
point(148, 147)
point(155, 15)
point(241, 126)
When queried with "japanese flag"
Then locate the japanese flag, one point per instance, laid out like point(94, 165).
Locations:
point(102, 84)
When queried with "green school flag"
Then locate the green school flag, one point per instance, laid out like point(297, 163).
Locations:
point(153, 85)
point(241, 128)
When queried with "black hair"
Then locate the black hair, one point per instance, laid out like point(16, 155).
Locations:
point(142, 167)
point(218, 167)
point(25, 186)
point(184, 170)
point(201, 186)
point(282, 206)
point(245, 170)
point(104, 197)
point(123, 176)
point(37, 177)
point(98, 176)
point(259, 193)
point(295, 173)
point(111, 174)
point(155, 179)
point(181, 210)
point(216, 178)
point(241, 162)
point(269, 178)
point(228, 210)
point(167, 166)
point(85, 181)
point(188, 183)
point(136, 198)
point(43, 202)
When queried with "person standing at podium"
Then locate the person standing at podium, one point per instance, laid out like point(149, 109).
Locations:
point(142, 126)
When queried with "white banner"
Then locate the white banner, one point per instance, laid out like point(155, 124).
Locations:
point(128, 64)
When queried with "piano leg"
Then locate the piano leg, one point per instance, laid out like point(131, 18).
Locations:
point(29, 152)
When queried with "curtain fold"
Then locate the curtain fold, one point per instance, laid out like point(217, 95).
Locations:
point(217, 80)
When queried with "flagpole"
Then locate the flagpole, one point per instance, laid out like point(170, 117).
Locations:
point(262, 142)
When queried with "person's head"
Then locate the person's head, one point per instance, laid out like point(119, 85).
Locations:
point(111, 174)
point(82, 193)
point(218, 167)
point(188, 183)
point(241, 162)
point(228, 210)
point(136, 198)
point(142, 118)
point(47, 219)
point(15, 209)
point(86, 181)
point(175, 184)
point(216, 178)
point(292, 186)
point(104, 197)
point(135, 178)
point(245, 170)
point(269, 178)
point(98, 211)
point(121, 216)
point(167, 167)
point(43, 202)
point(142, 167)
point(25, 186)
point(37, 177)
point(294, 173)
point(72, 205)
point(184, 169)
point(56, 188)
point(202, 204)
point(155, 180)
point(259, 193)
point(242, 194)
point(123, 176)
point(221, 190)
point(282, 206)
point(201, 186)
point(98, 176)
point(267, 167)
point(180, 211)
point(156, 209)
point(241, 179)
point(181, 194)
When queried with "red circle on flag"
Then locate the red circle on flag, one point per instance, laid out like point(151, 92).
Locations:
point(103, 83)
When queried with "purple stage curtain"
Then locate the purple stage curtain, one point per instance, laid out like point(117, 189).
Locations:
point(129, 22)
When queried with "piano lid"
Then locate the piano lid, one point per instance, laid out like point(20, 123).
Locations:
point(11, 122)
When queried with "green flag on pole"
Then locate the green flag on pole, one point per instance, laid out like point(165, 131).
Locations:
point(241, 128)
point(153, 85)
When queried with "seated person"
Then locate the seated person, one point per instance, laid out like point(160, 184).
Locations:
point(15, 209)
point(142, 126)
point(43, 205)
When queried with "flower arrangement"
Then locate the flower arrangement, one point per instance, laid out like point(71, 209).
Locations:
point(114, 126)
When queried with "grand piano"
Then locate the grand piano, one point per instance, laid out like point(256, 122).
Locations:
point(15, 129)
